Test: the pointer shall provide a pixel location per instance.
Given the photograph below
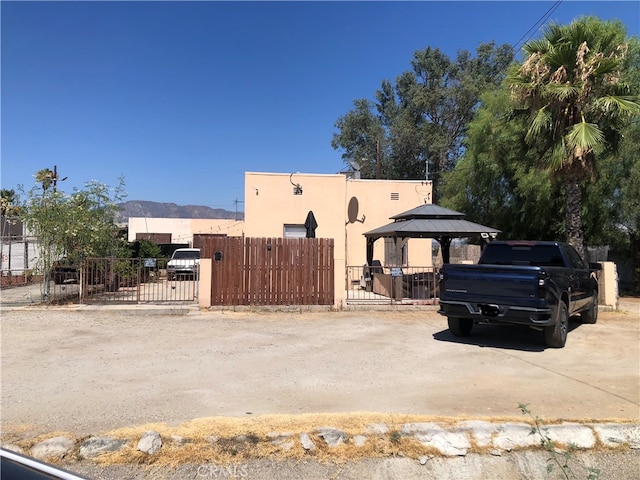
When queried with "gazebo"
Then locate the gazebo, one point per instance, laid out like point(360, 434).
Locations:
point(428, 221)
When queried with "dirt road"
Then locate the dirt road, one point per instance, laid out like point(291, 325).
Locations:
point(86, 371)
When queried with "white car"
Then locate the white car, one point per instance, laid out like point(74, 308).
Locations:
point(184, 262)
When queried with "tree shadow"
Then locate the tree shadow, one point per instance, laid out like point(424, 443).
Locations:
point(509, 337)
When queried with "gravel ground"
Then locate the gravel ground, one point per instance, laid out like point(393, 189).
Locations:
point(91, 370)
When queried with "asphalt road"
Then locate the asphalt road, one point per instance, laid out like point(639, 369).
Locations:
point(87, 370)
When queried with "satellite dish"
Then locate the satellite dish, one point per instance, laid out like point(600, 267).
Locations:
point(355, 165)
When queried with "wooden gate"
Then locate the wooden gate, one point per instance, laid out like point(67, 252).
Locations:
point(270, 271)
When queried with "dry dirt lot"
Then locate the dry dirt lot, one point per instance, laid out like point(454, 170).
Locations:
point(90, 370)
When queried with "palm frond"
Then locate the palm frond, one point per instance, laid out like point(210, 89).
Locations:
point(625, 104)
point(540, 122)
point(562, 91)
point(556, 157)
point(584, 137)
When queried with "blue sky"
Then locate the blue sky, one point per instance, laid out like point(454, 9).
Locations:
point(182, 98)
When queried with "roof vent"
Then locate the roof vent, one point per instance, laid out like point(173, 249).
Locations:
point(395, 196)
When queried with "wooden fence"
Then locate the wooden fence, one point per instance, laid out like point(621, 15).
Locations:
point(270, 271)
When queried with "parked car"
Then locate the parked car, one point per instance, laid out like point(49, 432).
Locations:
point(63, 271)
point(539, 284)
point(185, 262)
point(15, 466)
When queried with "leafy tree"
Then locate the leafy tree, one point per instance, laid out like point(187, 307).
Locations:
point(571, 88)
point(148, 249)
point(81, 224)
point(9, 203)
point(418, 124)
point(360, 134)
point(630, 199)
point(497, 182)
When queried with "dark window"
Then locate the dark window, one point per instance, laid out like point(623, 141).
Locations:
point(533, 255)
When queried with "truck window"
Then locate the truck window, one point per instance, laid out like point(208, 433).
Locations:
point(534, 255)
point(574, 259)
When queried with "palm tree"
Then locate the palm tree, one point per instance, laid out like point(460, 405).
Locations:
point(45, 177)
point(572, 87)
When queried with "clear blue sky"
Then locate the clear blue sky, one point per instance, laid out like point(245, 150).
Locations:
point(181, 98)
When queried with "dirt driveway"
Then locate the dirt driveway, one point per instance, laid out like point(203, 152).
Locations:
point(85, 371)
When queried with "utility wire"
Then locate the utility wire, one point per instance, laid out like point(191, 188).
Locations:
point(529, 33)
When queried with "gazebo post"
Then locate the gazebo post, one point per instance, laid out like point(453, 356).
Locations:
point(445, 243)
point(370, 241)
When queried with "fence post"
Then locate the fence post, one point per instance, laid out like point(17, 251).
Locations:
point(81, 281)
point(138, 286)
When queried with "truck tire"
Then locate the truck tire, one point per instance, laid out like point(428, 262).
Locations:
point(591, 315)
point(555, 336)
point(460, 327)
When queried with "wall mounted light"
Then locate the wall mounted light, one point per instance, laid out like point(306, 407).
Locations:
point(297, 188)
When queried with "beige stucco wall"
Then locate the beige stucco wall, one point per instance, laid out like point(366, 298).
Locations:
point(343, 208)
point(183, 229)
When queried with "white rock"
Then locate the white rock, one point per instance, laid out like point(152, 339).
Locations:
point(377, 429)
point(94, 446)
point(514, 435)
point(150, 442)
point(359, 440)
point(614, 434)
point(306, 441)
point(53, 447)
point(332, 436)
point(571, 433)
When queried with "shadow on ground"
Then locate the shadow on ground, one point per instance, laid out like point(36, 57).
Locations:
point(508, 337)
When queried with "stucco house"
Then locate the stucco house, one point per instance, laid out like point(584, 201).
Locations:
point(343, 207)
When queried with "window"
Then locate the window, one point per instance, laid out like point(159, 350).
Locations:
point(295, 231)
point(574, 258)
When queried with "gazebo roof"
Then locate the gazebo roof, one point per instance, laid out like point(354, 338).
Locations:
point(430, 221)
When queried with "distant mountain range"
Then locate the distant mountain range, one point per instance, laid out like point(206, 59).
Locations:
point(142, 208)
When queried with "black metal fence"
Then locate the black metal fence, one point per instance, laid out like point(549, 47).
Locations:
point(391, 285)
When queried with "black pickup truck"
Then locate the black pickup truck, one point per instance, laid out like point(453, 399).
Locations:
point(540, 284)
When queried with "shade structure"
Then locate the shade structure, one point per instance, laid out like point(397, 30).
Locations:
point(428, 221)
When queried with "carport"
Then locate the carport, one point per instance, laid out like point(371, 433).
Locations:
point(428, 221)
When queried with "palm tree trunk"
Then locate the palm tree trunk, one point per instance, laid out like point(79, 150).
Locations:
point(573, 212)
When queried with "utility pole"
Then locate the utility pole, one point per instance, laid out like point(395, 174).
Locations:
point(54, 177)
point(236, 201)
point(378, 174)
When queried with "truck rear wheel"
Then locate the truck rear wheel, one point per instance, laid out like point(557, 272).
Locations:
point(591, 315)
point(460, 327)
point(555, 336)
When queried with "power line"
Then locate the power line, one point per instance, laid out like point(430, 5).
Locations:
point(529, 33)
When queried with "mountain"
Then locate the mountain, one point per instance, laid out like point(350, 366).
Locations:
point(142, 208)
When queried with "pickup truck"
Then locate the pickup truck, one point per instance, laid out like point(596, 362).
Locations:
point(184, 262)
point(539, 284)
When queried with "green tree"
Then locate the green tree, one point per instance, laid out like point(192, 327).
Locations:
point(360, 133)
point(78, 225)
point(416, 127)
point(9, 203)
point(630, 199)
point(571, 87)
point(497, 182)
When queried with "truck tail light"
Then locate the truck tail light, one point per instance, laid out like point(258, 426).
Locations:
point(542, 284)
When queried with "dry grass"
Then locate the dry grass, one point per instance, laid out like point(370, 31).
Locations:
point(259, 432)
point(239, 439)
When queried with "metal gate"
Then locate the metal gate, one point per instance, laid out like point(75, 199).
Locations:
point(134, 280)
